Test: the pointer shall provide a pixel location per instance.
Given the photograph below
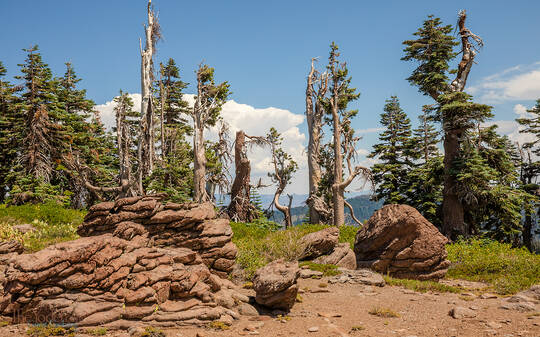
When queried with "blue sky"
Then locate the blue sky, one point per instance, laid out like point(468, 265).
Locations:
point(263, 48)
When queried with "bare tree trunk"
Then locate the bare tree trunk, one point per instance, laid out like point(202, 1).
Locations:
point(338, 197)
point(199, 162)
point(146, 144)
point(163, 95)
point(282, 208)
point(240, 208)
point(314, 113)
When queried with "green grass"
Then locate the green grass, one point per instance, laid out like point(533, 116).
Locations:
point(507, 269)
point(326, 269)
point(53, 224)
point(421, 286)
point(259, 244)
point(97, 331)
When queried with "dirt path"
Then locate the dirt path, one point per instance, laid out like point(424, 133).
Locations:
point(419, 315)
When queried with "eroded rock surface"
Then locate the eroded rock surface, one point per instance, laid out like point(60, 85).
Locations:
point(148, 220)
point(275, 284)
point(319, 243)
point(398, 240)
point(106, 280)
point(342, 256)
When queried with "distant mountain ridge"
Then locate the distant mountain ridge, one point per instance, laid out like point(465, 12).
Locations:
point(362, 205)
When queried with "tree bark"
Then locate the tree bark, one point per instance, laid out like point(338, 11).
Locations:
point(314, 113)
point(240, 208)
point(453, 212)
point(199, 162)
point(337, 192)
point(146, 144)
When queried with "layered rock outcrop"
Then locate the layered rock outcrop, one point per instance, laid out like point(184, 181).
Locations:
point(323, 247)
point(275, 284)
point(106, 280)
point(342, 256)
point(147, 219)
point(398, 240)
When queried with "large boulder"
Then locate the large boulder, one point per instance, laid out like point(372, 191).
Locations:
point(275, 284)
point(319, 243)
point(398, 240)
point(147, 219)
point(106, 280)
point(342, 256)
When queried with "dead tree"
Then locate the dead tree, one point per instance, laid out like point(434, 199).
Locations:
point(284, 167)
point(340, 95)
point(240, 208)
point(219, 178)
point(314, 114)
point(208, 103)
point(146, 148)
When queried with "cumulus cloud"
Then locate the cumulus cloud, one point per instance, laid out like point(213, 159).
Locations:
point(512, 129)
point(521, 82)
point(106, 110)
point(253, 121)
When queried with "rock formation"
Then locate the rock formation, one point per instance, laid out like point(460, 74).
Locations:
point(398, 240)
point(342, 256)
point(319, 243)
point(169, 225)
point(108, 281)
point(275, 284)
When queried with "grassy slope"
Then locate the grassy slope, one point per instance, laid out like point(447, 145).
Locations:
point(54, 224)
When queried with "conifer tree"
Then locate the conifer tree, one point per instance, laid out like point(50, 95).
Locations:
point(8, 141)
point(39, 139)
point(340, 95)
point(390, 174)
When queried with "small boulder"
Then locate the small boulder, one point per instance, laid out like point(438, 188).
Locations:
point(319, 243)
point(399, 241)
point(275, 284)
point(342, 256)
point(461, 312)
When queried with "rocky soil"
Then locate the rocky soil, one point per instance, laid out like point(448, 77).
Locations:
point(342, 309)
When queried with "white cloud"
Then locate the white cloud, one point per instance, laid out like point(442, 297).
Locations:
point(253, 121)
point(370, 130)
point(106, 110)
point(512, 128)
point(516, 83)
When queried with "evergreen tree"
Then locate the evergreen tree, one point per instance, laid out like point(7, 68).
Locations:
point(38, 137)
point(425, 137)
point(390, 174)
point(8, 141)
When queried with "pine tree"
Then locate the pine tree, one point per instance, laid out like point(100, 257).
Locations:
point(39, 138)
point(8, 141)
point(390, 174)
point(425, 137)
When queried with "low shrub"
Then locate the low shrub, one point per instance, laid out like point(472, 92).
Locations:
point(383, 312)
point(507, 269)
point(42, 330)
point(326, 269)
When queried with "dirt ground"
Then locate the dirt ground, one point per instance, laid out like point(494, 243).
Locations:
point(343, 310)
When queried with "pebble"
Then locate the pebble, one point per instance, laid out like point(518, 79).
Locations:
point(493, 325)
point(313, 329)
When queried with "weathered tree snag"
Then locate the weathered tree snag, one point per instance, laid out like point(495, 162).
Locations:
point(146, 145)
point(453, 210)
point(314, 114)
point(240, 208)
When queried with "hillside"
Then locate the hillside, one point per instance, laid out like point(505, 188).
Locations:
point(362, 204)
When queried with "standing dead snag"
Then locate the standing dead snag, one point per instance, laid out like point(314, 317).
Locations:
point(314, 114)
point(240, 208)
point(146, 145)
point(219, 178)
point(208, 103)
point(344, 140)
point(284, 167)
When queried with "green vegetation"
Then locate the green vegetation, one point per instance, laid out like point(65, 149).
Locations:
point(218, 325)
point(97, 331)
point(507, 269)
point(326, 269)
point(383, 312)
point(50, 329)
point(422, 286)
point(260, 243)
point(53, 224)
point(150, 331)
